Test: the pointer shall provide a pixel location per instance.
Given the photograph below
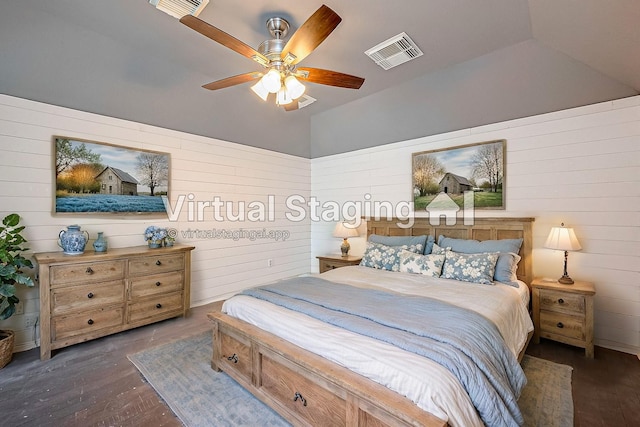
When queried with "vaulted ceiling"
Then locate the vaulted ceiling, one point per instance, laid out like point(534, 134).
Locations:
point(484, 61)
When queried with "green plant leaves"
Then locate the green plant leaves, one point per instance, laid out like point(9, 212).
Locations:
point(11, 263)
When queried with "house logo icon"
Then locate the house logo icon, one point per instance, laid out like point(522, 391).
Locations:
point(444, 206)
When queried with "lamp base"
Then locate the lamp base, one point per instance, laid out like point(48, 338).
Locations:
point(565, 280)
point(344, 248)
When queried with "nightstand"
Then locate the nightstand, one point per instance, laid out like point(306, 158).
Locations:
point(329, 262)
point(564, 313)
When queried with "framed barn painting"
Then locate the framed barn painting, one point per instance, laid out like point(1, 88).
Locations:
point(99, 178)
point(457, 173)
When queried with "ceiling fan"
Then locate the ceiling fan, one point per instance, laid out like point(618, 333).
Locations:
point(280, 58)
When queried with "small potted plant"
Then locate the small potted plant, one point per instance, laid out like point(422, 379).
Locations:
point(11, 264)
point(169, 240)
point(155, 236)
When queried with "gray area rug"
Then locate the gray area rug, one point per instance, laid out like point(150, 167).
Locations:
point(181, 373)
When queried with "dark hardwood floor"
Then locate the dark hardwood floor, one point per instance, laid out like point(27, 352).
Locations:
point(606, 389)
point(94, 384)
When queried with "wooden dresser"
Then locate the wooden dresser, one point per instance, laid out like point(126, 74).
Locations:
point(83, 297)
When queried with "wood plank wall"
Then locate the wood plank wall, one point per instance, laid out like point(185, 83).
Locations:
point(204, 167)
point(579, 166)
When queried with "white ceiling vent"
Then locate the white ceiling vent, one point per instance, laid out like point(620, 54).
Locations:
point(395, 51)
point(180, 8)
point(305, 100)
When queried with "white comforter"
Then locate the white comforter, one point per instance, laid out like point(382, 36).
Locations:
point(432, 387)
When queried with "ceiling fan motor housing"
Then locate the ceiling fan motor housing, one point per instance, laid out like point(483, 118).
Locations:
point(272, 49)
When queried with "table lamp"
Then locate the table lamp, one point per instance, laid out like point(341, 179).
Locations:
point(563, 239)
point(345, 230)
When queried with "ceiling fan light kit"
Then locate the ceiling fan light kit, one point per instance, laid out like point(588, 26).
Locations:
point(280, 57)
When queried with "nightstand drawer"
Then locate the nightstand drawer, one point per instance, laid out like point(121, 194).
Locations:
point(562, 302)
point(559, 324)
point(326, 263)
point(330, 265)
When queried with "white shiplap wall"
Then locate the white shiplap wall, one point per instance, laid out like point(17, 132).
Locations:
point(204, 167)
point(578, 166)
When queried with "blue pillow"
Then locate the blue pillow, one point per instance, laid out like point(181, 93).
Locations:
point(505, 270)
point(428, 247)
point(425, 241)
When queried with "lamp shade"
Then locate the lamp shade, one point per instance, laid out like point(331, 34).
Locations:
point(563, 239)
point(345, 230)
point(260, 90)
point(294, 87)
point(272, 81)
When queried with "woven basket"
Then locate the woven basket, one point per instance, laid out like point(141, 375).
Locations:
point(7, 339)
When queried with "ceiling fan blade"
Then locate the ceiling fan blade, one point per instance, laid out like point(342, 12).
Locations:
point(330, 78)
point(310, 34)
point(223, 38)
point(232, 81)
point(292, 106)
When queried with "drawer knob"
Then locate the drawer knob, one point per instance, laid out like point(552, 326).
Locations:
point(299, 396)
point(158, 305)
point(89, 270)
point(90, 321)
point(158, 262)
point(233, 358)
point(90, 295)
point(560, 301)
point(157, 283)
point(560, 325)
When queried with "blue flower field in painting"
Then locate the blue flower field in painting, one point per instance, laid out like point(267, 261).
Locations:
point(109, 203)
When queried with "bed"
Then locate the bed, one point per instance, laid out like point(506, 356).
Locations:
point(315, 373)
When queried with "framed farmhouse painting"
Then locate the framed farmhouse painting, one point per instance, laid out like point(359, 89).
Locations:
point(457, 173)
point(99, 178)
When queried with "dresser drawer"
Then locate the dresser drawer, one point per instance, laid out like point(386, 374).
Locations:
point(156, 284)
point(86, 297)
point(563, 325)
point(155, 264)
point(562, 302)
point(86, 271)
point(315, 404)
point(158, 306)
point(86, 322)
point(236, 354)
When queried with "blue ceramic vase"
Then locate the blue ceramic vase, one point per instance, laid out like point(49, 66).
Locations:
point(73, 240)
point(100, 245)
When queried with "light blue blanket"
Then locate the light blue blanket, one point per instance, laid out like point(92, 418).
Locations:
point(465, 342)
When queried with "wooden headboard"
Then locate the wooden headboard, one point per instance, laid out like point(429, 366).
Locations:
point(482, 229)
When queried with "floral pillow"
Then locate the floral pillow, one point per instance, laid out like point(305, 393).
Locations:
point(439, 250)
point(476, 268)
point(386, 257)
point(429, 265)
